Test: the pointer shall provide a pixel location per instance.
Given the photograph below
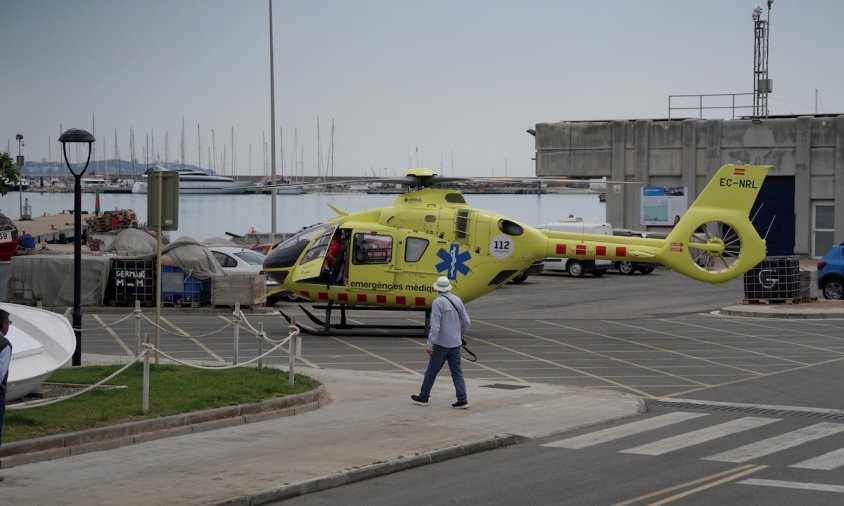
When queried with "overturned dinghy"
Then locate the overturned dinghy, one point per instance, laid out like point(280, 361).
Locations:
point(42, 342)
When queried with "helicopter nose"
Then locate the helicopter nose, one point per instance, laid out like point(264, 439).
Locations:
point(277, 276)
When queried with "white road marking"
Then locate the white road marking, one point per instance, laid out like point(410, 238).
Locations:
point(793, 484)
point(620, 431)
point(778, 443)
point(700, 436)
point(825, 462)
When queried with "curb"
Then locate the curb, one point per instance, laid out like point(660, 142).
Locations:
point(349, 476)
point(114, 436)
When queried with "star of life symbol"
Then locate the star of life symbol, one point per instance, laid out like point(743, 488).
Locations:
point(453, 261)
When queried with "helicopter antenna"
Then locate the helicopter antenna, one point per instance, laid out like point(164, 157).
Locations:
point(769, 227)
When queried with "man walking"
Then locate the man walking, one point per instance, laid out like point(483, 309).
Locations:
point(5, 360)
point(449, 321)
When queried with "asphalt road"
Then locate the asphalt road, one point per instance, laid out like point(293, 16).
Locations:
point(761, 418)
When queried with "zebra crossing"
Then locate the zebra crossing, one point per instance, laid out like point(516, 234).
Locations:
point(826, 462)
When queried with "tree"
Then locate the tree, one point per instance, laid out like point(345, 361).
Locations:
point(9, 173)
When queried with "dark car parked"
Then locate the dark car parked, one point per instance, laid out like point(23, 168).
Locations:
point(831, 273)
point(534, 269)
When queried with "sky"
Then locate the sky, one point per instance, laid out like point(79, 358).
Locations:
point(451, 85)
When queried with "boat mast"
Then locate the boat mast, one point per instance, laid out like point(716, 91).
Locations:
point(198, 148)
point(318, 152)
point(182, 144)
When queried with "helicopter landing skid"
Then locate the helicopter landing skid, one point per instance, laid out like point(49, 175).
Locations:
point(344, 328)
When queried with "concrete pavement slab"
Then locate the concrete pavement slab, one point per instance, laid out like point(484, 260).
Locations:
point(369, 428)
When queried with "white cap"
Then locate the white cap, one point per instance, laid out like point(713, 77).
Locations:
point(442, 284)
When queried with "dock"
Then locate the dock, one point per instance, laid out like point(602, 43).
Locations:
point(50, 228)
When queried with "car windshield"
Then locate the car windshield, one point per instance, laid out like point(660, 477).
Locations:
point(250, 257)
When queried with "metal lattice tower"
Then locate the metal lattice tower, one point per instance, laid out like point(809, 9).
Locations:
point(762, 85)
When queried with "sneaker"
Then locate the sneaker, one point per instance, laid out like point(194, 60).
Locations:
point(419, 400)
point(461, 405)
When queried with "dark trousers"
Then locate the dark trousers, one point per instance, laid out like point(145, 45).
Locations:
point(439, 357)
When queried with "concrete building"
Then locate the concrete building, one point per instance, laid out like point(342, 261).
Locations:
point(800, 207)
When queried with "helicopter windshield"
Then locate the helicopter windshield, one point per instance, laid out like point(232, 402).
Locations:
point(286, 253)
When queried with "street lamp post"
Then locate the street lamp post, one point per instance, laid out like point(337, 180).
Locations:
point(76, 135)
point(19, 163)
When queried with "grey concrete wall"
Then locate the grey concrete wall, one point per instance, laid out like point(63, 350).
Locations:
point(688, 152)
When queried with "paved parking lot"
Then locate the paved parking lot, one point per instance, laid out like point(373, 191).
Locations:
point(652, 336)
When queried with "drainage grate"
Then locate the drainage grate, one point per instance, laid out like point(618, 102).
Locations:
point(504, 386)
point(834, 415)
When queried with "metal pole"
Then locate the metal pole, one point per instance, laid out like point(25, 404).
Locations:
point(77, 267)
point(237, 319)
point(260, 345)
point(274, 226)
point(137, 313)
point(145, 394)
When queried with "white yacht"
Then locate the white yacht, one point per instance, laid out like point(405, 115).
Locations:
point(197, 182)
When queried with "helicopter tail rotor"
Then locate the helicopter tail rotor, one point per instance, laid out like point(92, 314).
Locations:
point(715, 240)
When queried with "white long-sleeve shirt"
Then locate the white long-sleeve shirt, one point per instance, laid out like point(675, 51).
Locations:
point(448, 324)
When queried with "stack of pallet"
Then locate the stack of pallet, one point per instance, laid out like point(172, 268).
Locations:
point(112, 220)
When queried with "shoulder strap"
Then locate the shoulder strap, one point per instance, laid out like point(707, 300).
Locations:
point(462, 340)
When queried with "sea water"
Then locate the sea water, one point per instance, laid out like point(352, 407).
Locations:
point(205, 216)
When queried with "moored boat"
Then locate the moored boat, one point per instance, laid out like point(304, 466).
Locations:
point(42, 341)
point(198, 182)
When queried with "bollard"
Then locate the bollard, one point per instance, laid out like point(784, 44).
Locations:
point(291, 377)
point(145, 402)
point(261, 337)
point(137, 313)
point(237, 320)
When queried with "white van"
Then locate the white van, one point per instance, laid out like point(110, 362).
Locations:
point(577, 268)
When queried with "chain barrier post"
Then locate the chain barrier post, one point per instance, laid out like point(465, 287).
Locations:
point(137, 315)
point(145, 402)
point(237, 319)
point(291, 376)
point(261, 337)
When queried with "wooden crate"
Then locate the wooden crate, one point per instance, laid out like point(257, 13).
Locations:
point(247, 290)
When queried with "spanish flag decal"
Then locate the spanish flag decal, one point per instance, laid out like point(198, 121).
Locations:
point(738, 171)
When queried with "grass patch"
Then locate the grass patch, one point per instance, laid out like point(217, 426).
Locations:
point(173, 389)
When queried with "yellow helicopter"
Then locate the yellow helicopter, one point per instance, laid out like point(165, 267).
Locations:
point(389, 258)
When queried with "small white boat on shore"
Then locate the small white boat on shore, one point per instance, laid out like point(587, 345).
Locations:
point(42, 341)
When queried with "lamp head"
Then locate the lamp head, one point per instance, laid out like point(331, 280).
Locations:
point(76, 135)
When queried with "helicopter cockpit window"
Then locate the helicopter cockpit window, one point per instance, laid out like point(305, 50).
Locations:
point(455, 198)
point(318, 247)
point(287, 252)
point(372, 249)
point(414, 249)
point(510, 227)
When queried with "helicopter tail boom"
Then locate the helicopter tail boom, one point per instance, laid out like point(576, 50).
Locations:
point(713, 242)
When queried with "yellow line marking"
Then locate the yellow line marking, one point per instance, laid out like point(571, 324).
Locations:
point(713, 484)
point(764, 375)
point(616, 359)
point(394, 364)
point(478, 364)
point(683, 485)
point(207, 350)
point(117, 338)
point(742, 334)
point(710, 343)
point(555, 364)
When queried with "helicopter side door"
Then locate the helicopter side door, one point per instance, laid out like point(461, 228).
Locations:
point(372, 264)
